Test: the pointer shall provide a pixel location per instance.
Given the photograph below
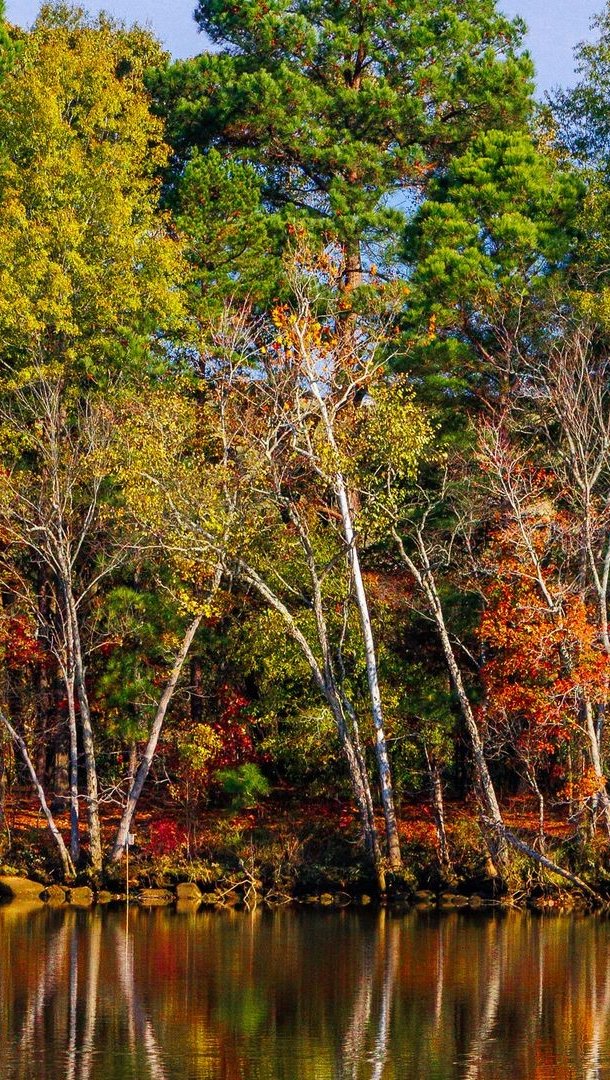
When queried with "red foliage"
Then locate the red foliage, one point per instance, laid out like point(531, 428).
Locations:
point(166, 837)
point(18, 642)
point(233, 729)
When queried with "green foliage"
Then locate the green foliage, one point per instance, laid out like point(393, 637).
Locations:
point(582, 110)
point(141, 627)
point(500, 224)
point(294, 729)
point(582, 133)
point(7, 45)
point(244, 785)
point(338, 105)
point(229, 243)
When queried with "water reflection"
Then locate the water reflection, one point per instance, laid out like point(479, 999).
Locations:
point(299, 995)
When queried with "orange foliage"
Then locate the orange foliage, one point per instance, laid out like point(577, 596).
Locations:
point(18, 642)
point(540, 662)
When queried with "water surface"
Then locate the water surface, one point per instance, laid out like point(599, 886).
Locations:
point(302, 995)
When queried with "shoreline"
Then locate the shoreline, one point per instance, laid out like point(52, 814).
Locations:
point(193, 896)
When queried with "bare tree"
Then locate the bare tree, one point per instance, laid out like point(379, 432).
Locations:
point(416, 551)
point(52, 508)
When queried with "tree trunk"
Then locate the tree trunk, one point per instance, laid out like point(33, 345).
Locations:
point(485, 791)
point(151, 746)
point(73, 771)
point(381, 749)
point(132, 764)
point(66, 861)
point(595, 755)
point(93, 804)
point(76, 661)
point(438, 807)
point(352, 749)
point(196, 693)
point(3, 788)
point(553, 867)
point(352, 273)
point(67, 665)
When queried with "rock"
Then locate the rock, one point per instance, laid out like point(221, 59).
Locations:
point(210, 899)
point(105, 897)
point(424, 895)
point(155, 897)
point(446, 900)
point(364, 899)
point(343, 899)
point(475, 901)
point(18, 888)
point(20, 907)
point(460, 901)
point(188, 890)
point(81, 896)
point(187, 907)
point(55, 895)
point(327, 899)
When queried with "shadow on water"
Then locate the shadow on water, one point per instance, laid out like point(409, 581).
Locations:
point(302, 995)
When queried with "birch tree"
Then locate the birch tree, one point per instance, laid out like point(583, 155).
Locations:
point(278, 499)
point(54, 468)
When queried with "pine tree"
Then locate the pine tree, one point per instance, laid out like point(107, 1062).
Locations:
point(343, 110)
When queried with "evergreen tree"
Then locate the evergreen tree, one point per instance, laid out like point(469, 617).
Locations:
point(489, 250)
point(335, 108)
point(583, 111)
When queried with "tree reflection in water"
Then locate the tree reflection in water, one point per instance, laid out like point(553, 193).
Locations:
point(300, 994)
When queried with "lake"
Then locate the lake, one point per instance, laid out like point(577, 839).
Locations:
point(302, 995)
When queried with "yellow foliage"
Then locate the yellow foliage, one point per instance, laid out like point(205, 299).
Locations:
point(84, 251)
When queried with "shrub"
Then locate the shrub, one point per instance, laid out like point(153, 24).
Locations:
point(244, 786)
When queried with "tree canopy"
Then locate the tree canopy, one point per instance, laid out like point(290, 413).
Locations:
point(340, 111)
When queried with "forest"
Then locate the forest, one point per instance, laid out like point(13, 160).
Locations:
point(305, 451)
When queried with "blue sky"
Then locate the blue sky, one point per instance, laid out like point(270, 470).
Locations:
point(555, 27)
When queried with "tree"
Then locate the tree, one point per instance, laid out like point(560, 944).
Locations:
point(278, 498)
point(557, 518)
point(490, 247)
point(581, 136)
point(6, 44)
point(87, 292)
point(582, 110)
point(54, 469)
point(426, 551)
point(336, 108)
point(88, 265)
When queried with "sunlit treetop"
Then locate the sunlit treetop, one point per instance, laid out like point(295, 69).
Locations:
point(496, 235)
point(336, 105)
point(87, 265)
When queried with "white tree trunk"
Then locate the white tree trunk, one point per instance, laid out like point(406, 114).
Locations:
point(66, 861)
point(146, 760)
